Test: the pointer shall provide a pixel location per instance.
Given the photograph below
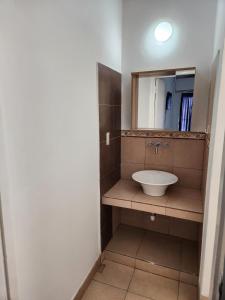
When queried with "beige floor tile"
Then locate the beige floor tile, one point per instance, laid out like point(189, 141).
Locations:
point(161, 249)
point(158, 270)
point(135, 297)
point(126, 241)
point(116, 202)
point(120, 259)
point(153, 286)
point(187, 292)
point(189, 258)
point(115, 274)
point(100, 291)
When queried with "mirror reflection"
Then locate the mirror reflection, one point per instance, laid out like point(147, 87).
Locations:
point(166, 102)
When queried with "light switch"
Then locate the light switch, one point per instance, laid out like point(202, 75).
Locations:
point(107, 138)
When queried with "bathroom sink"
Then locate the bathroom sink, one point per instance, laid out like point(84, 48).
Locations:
point(154, 183)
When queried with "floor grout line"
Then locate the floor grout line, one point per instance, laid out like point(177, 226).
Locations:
point(131, 280)
point(141, 242)
point(136, 294)
point(108, 284)
point(178, 290)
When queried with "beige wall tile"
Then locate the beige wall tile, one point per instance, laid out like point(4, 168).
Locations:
point(164, 156)
point(128, 169)
point(183, 157)
point(126, 241)
point(189, 257)
point(188, 153)
point(121, 259)
point(161, 223)
point(116, 202)
point(149, 208)
point(187, 292)
point(161, 249)
point(115, 218)
point(189, 278)
point(140, 197)
point(186, 215)
point(184, 229)
point(133, 150)
point(133, 217)
point(142, 220)
point(159, 167)
point(115, 274)
point(153, 286)
point(100, 291)
point(156, 269)
point(189, 178)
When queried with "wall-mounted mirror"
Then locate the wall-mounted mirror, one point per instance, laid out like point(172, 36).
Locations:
point(163, 100)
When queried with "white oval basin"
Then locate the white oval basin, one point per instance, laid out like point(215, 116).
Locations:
point(154, 183)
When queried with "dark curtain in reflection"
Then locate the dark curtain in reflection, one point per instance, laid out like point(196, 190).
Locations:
point(169, 101)
point(186, 111)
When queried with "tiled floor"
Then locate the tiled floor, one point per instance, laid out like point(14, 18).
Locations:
point(159, 249)
point(114, 281)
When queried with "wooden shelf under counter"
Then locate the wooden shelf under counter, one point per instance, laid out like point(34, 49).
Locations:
point(178, 202)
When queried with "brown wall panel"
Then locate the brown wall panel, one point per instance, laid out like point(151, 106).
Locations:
point(110, 155)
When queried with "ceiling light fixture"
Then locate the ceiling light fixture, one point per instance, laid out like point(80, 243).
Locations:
point(163, 31)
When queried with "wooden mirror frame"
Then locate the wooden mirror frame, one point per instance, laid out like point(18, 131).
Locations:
point(134, 90)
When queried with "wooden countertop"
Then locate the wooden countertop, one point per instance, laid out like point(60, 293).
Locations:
point(179, 202)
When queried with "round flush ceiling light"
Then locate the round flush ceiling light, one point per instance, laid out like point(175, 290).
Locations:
point(163, 31)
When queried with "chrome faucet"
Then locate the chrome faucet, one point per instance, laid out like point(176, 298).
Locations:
point(157, 145)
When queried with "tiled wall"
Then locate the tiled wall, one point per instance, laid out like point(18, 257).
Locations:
point(172, 226)
point(183, 157)
point(110, 156)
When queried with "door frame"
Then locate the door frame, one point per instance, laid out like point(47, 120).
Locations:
point(4, 282)
point(214, 186)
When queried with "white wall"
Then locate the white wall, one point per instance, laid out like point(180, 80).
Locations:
point(48, 93)
point(216, 167)
point(220, 26)
point(191, 45)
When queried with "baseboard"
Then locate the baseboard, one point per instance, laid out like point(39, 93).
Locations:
point(88, 280)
